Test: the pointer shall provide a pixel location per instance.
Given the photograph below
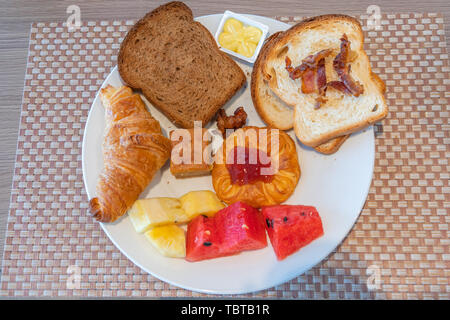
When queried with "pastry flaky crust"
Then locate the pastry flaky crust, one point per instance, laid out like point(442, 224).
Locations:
point(134, 149)
point(259, 193)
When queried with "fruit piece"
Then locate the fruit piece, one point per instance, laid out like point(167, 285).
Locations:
point(169, 240)
point(148, 213)
point(205, 202)
point(201, 239)
point(233, 229)
point(291, 227)
point(240, 227)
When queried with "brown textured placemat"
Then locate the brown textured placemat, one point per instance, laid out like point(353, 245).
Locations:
point(399, 248)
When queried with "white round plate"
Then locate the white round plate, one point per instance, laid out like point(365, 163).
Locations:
point(337, 185)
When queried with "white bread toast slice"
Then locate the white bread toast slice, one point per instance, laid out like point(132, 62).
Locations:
point(274, 111)
point(341, 114)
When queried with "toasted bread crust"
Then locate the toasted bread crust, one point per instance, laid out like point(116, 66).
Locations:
point(256, 74)
point(332, 145)
point(228, 90)
point(242, 76)
point(328, 147)
point(311, 23)
point(134, 30)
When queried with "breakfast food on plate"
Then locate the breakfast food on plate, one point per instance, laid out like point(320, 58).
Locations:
point(267, 180)
point(236, 121)
point(169, 240)
point(198, 159)
point(274, 111)
point(152, 212)
point(331, 146)
point(177, 64)
point(232, 230)
point(319, 67)
point(134, 149)
point(291, 227)
point(314, 77)
point(203, 202)
point(239, 38)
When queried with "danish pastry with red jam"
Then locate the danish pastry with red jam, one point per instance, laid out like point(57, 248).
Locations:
point(258, 166)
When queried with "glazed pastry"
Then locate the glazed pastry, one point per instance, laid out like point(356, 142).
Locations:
point(268, 178)
point(134, 149)
point(199, 160)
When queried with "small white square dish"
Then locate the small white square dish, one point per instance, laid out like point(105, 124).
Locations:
point(246, 22)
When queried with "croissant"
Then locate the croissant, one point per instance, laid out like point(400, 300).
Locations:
point(134, 149)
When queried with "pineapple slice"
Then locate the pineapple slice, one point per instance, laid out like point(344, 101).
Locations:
point(204, 202)
point(148, 213)
point(169, 240)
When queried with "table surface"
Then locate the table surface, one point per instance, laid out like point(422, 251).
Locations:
point(16, 16)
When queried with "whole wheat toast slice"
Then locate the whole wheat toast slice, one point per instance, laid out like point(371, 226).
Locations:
point(341, 114)
point(178, 66)
point(274, 111)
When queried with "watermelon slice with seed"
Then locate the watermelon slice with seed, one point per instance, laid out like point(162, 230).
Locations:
point(236, 228)
point(202, 241)
point(291, 227)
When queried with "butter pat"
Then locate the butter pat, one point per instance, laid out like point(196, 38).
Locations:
point(240, 36)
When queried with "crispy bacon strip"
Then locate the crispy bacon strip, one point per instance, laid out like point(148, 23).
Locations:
point(310, 62)
point(354, 86)
point(321, 84)
point(309, 81)
point(315, 80)
point(235, 121)
point(321, 77)
point(313, 75)
point(338, 85)
point(314, 59)
point(340, 60)
point(294, 73)
point(343, 68)
point(289, 66)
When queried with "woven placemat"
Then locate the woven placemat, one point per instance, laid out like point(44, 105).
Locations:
point(398, 249)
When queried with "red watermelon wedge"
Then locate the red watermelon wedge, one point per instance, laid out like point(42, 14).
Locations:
point(202, 239)
point(291, 227)
point(241, 227)
point(233, 229)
